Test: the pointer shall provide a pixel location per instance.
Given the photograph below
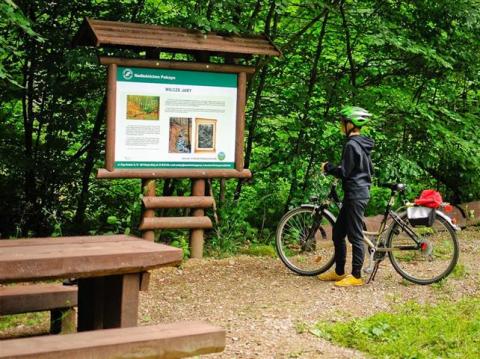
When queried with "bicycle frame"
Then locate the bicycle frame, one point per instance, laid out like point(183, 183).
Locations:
point(334, 198)
point(384, 228)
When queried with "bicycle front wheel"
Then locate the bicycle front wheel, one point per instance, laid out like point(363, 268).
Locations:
point(304, 241)
point(429, 261)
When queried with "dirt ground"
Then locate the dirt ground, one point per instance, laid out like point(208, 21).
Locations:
point(267, 310)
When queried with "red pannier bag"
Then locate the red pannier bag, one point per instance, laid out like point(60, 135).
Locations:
point(429, 198)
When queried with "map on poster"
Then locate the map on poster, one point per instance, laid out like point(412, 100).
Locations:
point(174, 119)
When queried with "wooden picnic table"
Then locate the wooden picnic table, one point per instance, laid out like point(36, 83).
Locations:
point(108, 268)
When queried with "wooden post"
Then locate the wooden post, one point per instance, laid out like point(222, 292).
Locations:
point(240, 128)
point(196, 235)
point(90, 303)
point(148, 186)
point(111, 108)
point(108, 302)
point(121, 301)
point(144, 281)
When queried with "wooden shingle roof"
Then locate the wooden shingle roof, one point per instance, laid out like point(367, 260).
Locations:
point(102, 33)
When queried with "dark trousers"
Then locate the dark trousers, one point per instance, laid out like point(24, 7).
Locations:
point(349, 223)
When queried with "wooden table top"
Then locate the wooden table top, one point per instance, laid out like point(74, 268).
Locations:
point(80, 257)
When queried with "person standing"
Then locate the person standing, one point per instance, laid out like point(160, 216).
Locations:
point(355, 171)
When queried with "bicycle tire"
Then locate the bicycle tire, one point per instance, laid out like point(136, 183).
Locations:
point(289, 238)
point(409, 266)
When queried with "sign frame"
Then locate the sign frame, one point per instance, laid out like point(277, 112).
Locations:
point(110, 172)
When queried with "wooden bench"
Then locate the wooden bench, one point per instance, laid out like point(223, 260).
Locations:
point(177, 340)
point(109, 270)
point(58, 299)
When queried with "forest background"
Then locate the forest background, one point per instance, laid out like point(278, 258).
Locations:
point(414, 64)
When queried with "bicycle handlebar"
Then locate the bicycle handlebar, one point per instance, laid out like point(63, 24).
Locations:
point(396, 187)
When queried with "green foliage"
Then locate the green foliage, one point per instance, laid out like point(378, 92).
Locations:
point(414, 65)
point(12, 17)
point(259, 250)
point(182, 241)
point(115, 209)
point(27, 319)
point(459, 271)
point(447, 330)
point(232, 231)
point(378, 201)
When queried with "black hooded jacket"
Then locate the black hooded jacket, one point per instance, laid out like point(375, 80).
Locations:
point(356, 168)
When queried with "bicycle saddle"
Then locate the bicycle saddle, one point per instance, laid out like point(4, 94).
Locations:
point(396, 187)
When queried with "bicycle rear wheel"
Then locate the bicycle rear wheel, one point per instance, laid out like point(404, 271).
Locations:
point(429, 261)
point(304, 241)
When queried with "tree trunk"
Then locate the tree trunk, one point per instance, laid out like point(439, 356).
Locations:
point(263, 63)
point(210, 7)
point(137, 9)
point(237, 13)
point(252, 18)
point(92, 149)
point(351, 62)
point(221, 196)
point(87, 169)
point(32, 221)
point(251, 127)
point(167, 191)
point(256, 107)
point(305, 115)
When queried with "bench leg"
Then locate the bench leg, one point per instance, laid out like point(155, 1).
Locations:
point(144, 281)
point(62, 320)
point(90, 303)
point(108, 302)
point(122, 293)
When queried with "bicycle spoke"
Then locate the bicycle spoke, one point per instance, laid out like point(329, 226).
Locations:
point(300, 242)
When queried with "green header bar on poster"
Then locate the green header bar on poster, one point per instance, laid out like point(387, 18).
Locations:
point(186, 165)
point(176, 77)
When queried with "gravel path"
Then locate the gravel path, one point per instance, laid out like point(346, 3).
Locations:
point(267, 310)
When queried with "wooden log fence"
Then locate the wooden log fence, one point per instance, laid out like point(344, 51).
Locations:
point(152, 202)
point(176, 223)
point(197, 222)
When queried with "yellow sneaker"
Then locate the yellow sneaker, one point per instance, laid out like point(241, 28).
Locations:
point(331, 277)
point(350, 281)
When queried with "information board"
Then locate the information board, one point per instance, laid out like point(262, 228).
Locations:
point(174, 119)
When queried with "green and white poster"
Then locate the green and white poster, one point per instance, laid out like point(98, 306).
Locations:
point(174, 119)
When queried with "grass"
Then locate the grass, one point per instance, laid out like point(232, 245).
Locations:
point(406, 283)
point(27, 319)
point(260, 250)
point(440, 284)
point(447, 330)
point(301, 327)
point(459, 271)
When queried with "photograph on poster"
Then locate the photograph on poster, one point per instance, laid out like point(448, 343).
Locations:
point(180, 136)
point(206, 130)
point(143, 107)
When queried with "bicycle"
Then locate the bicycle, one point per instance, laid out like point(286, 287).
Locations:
point(420, 254)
